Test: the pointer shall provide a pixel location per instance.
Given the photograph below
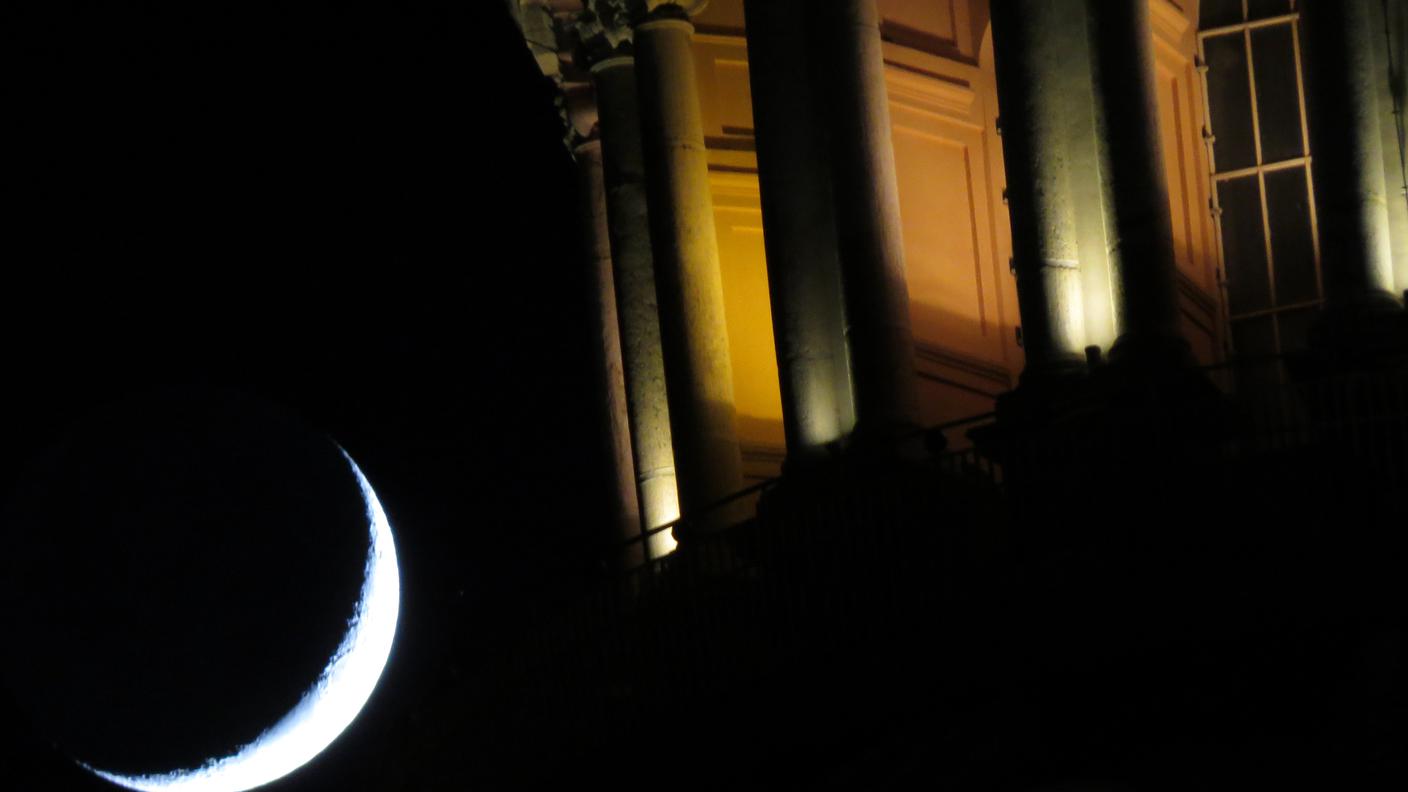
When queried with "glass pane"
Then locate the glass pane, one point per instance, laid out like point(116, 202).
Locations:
point(1261, 9)
point(1277, 98)
point(1254, 344)
point(1253, 338)
point(1243, 245)
point(1292, 247)
point(1295, 328)
point(1216, 13)
point(1230, 101)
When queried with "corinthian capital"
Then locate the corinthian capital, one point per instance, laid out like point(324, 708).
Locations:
point(625, 13)
point(607, 27)
point(540, 32)
point(604, 29)
point(677, 8)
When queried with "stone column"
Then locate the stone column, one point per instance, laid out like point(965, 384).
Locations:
point(846, 44)
point(698, 371)
point(1350, 201)
point(620, 475)
point(1140, 234)
point(1043, 92)
point(1396, 63)
point(1386, 65)
point(799, 232)
point(634, 274)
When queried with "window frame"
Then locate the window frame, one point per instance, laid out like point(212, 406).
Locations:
point(1260, 169)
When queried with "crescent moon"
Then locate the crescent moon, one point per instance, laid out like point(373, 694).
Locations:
point(333, 702)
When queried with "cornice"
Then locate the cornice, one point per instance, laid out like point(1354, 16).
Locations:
point(1168, 20)
point(929, 93)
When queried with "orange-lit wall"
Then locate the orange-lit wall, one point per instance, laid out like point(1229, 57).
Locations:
point(1181, 118)
point(957, 240)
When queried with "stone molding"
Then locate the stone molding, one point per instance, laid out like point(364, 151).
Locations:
point(930, 94)
point(942, 364)
point(1168, 21)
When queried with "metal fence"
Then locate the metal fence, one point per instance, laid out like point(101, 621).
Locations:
point(890, 554)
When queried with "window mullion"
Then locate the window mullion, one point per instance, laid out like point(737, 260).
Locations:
point(1270, 167)
point(1270, 256)
point(1305, 145)
point(1314, 228)
point(1259, 170)
point(1251, 91)
point(1240, 173)
point(1280, 309)
point(1252, 25)
point(1261, 186)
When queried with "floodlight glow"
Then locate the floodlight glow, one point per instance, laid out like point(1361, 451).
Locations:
point(334, 701)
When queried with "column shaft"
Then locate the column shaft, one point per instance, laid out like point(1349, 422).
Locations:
point(624, 509)
point(845, 40)
point(633, 271)
point(688, 281)
point(1394, 181)
point(804, 276)
point(1350, 201)
point(1396, 66)
point(1140, 234)
point(1043, 92)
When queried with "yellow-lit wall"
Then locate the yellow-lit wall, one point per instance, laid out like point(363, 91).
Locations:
point(957, 240)
point(1181, 114)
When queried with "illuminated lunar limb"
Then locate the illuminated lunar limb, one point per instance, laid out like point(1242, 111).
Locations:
point(333, 702)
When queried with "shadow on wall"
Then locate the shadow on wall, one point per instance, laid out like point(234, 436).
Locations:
point(953, 384)
point(959, 375)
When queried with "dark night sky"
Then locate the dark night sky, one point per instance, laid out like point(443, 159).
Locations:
point(342, 209)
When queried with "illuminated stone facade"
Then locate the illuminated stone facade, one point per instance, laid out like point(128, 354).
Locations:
point(896, 251)
point(954, 242)
point(884, 186)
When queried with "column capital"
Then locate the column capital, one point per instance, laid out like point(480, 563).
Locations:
point(603, 31)
point(625, 13)
point(541, 33)
point(672, 9)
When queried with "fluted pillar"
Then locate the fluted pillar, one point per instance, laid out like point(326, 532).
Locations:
point(698, 371)
point(1044, 98)
point(846, 44)
point(1350, 197)
point(1140, 234)
point(799, 233)
point(622, 504)
point(634, 275)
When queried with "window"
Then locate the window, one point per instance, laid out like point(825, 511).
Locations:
point(1261, 184)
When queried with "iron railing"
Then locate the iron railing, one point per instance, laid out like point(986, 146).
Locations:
point(937, 440)
point(904, 559)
